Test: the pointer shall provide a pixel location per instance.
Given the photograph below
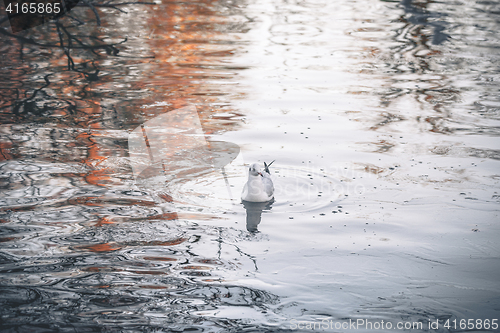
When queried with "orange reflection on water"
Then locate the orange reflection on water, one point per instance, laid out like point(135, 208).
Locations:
point(103, 221)
point(106, 247)
point(5, 148)
point(187, 46)
point(112, 246)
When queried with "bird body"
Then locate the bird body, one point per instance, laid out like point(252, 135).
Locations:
point(259, 187)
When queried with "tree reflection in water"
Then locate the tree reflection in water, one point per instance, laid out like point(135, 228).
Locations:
point(83, 248)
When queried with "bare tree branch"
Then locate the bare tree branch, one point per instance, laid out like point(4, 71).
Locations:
point(98, 19)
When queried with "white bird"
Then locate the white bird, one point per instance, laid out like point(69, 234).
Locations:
point(259, 187)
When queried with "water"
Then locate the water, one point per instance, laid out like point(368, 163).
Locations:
point(383, 119)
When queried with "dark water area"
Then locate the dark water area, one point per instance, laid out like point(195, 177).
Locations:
point(124, 139)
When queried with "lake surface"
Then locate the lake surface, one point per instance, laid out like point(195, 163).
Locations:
point(123, 156)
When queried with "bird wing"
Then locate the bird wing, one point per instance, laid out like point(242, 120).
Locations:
point(268, 185)
point(244, 193)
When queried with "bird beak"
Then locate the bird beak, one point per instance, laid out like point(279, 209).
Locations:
point(260, 173)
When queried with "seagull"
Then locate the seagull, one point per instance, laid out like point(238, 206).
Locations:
point(259, 187)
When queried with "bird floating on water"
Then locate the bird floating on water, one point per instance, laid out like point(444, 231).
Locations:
point(259, 187)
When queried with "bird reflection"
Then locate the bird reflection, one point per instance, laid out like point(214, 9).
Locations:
point(254, 213)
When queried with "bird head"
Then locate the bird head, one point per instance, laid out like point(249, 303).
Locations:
point(254, 170)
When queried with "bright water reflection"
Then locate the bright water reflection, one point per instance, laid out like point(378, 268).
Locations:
point(383, 118)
